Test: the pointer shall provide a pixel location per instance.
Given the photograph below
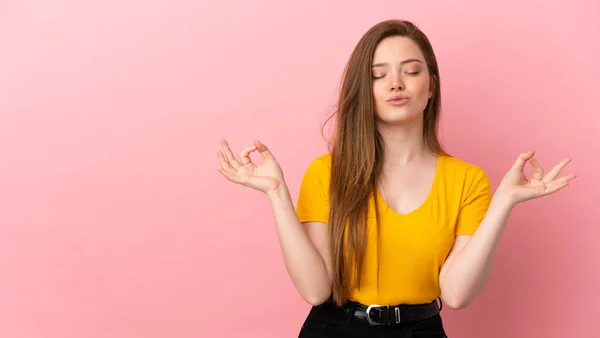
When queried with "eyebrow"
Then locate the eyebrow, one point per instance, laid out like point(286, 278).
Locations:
point(383, 64)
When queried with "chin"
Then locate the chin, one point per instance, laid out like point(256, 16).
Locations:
point(399, 117)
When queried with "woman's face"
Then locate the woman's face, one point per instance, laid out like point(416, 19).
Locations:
point(401, 81)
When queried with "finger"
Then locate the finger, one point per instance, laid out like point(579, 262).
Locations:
point(538, 171)
point(245, 155)
point(563, 179)
point(229, 176)
point(556, 170)
point(263, 150)
point(234, 163)
point(522, 159)
point(558, 184)
point(224, 164)
point(554, 187)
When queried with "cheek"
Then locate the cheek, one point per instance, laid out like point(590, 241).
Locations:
point(379, 92)
point(426, 89)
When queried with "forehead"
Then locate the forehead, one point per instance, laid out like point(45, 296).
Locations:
point(395, 49)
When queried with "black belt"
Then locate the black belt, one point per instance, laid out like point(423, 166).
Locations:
point(389, 315)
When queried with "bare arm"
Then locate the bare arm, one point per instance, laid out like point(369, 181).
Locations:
point(469, 264)
point(304, 247)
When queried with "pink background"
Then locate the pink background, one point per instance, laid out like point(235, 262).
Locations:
point(115, 223)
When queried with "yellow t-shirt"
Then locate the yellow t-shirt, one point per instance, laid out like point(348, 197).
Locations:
point(414, 245)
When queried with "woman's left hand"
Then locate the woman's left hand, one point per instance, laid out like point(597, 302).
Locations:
point(518, 188)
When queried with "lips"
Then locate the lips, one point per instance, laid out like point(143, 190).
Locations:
point(397, 100)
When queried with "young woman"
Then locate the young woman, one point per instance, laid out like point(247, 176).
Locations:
point(387, 223)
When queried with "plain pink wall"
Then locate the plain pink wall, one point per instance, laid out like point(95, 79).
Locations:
point(115, 223)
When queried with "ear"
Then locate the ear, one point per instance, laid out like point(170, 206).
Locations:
point(432, 88)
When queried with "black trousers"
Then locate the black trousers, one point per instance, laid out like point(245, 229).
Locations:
point(328, 320)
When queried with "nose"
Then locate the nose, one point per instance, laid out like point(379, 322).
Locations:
point(396, 84)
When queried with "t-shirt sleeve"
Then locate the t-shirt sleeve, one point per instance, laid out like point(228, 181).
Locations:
point(313, 198)
point(475, 203)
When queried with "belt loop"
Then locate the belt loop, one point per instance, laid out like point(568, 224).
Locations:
point(350, 314)
point(441, 303)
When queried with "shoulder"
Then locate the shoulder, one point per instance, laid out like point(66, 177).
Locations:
point(318, 171)
point(459, 168)
point(314, 189)
point(466, 179)
point(320, 166)
point(463, 176)
point(322, 160)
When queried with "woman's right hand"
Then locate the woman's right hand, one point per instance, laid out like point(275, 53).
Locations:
point(266, 177)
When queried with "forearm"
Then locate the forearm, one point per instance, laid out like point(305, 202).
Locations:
point(303, 262)
point(469, 271)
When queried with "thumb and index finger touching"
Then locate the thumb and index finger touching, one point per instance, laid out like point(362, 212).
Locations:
point(538, 173)
point(263, 150)
point(258, 146)
point(522, 159)
point(528, 157)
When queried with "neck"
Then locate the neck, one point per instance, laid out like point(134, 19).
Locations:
point(403, 144)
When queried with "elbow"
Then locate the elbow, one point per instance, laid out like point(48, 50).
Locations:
point(316, 294)
point(316, 298)
point(316, 301)
point(455, 299)
point(456, 302)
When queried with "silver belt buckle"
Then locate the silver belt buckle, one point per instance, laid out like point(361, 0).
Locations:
point(369, 315)
point(396, 313)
